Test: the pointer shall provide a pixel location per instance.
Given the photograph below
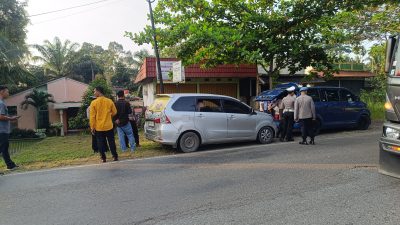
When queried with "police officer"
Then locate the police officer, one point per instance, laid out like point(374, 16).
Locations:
point(288, 114)
point(304, 111)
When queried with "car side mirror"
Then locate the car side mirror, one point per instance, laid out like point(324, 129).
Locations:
point(252, 112)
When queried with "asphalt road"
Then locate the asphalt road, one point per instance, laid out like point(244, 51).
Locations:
point(333, 182)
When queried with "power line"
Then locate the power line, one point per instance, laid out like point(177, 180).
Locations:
point(69, 15)
point(73, 7)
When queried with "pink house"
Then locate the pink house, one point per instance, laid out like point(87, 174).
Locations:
point(67, 94)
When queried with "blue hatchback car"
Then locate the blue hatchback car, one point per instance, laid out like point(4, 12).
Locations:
point(336, 107)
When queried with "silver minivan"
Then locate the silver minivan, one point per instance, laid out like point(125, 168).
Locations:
point(187, 121)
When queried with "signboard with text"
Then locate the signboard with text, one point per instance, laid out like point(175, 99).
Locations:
point(178, 72)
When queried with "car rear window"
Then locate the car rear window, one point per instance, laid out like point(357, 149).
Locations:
point(185, 104)
point(208, 105)
point(159, 103)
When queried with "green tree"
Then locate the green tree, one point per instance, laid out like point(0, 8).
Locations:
point(276, 34)
point(81, 120)
point(373, 23)
point(57, 56)
point(13, 22)
point(39, 100)
point(123, 76)
point(87, 62)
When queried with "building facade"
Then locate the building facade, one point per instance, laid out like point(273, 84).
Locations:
point(238, 81)
point(67, 94)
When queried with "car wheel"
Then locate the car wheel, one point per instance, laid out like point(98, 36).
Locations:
point(363, 123)
point(189, 142)
point(265, 135)
point(317, 127)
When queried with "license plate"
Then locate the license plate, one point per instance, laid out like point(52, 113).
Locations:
point(150, 123)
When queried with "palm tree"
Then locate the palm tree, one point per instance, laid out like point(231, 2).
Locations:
point(37, 99)
point(139, 57)
point(57, 57)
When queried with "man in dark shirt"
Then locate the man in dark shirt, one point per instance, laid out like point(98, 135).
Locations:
point(5, 128)
point(122, 121)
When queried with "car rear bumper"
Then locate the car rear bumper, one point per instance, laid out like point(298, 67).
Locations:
point(163, 134)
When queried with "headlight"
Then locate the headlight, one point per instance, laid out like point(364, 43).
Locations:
point(391, 133)
point(388, 105)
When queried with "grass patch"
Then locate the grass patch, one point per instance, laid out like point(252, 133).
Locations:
point(377, 110)
point(72, 150)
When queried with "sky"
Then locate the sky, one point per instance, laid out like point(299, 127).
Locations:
point(98, 23)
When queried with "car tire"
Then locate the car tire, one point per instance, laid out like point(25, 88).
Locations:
point(265, 135)
point(189, 142)
point(317, 127)
point(364, 122)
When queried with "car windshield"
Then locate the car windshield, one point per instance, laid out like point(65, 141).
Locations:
point(395, 71)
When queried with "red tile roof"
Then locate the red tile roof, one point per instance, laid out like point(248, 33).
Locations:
point(148, 70)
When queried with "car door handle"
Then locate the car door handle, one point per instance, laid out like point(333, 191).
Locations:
point(201, 116)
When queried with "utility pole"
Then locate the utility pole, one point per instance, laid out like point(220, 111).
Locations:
point(159, 74)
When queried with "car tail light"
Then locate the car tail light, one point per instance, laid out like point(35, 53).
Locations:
point(162, 119)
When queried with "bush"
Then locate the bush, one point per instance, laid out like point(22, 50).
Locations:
point(23, 133)
point(78, 122)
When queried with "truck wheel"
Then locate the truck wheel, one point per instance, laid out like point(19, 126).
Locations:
point(364, 122)
point(189, 142)
point(265, 135)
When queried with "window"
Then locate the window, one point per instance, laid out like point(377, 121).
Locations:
point(332, 95)
point(346, 96)
point(231, 106)
point(185, 104)
point(314, 94)
point(43, 119)
point(208, 105)
point(12, 110)
point(159, 104)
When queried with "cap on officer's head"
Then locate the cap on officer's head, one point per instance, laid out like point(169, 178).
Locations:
point(303, 89)
point(291, 89)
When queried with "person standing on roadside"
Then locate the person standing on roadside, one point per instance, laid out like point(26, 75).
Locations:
point(122, 120)
point(95, 148)
point(102, 110)
point(277, 105)
point(304, 111)
point(5, 129)
point(133, 122)
point(288, 114)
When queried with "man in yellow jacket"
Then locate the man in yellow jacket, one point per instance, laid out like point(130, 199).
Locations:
point(102, 110)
